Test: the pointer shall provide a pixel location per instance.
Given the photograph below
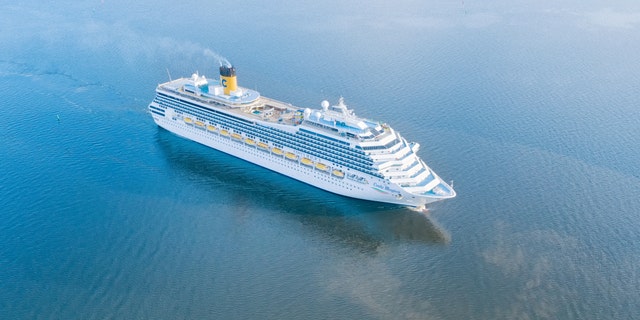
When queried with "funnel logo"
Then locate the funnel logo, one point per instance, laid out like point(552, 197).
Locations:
point(224, 83)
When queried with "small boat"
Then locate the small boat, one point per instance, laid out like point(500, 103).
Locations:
point(199, 123)
point(249, 141)
point(321, 166)
point(307, 161)
point(291, 156)
point(236, 136)
point(224, 132)
point(211, 128)
point(188, 120)
point(338, 173)
point(277, 151)
point(263, 145)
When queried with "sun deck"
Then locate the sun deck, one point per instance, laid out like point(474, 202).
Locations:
point(248, 103)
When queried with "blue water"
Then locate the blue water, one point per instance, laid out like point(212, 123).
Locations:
point(532, 109)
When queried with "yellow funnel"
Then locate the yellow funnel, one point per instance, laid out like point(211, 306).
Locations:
point(228, 79)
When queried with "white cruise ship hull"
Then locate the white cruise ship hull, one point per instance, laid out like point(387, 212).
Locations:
point(375, 189)
point(329, 148)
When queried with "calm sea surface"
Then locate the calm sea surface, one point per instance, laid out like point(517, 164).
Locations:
point(532, 109)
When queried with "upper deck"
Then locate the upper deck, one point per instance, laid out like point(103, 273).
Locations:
point(246, 103)
point(336, 121)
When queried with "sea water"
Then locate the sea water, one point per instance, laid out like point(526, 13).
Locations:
point(530, 109)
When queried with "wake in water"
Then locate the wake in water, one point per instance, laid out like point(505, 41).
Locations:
point(431, 224)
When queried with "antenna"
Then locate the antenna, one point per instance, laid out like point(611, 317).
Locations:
point(169, 74)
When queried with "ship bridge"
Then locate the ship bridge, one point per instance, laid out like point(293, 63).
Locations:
point(339, 118)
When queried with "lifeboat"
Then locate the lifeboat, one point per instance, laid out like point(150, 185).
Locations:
point(263, 145)
point(199, 123)
point(307, 161)
point(277, 151)
point(224, 132)
point(338, 173)
point(249, 141)
point(236, 136)
point(211, 128)
point(321, 166)
point(188, 120)
point(291, 156)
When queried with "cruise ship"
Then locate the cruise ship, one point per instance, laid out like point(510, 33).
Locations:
point(330, 148)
